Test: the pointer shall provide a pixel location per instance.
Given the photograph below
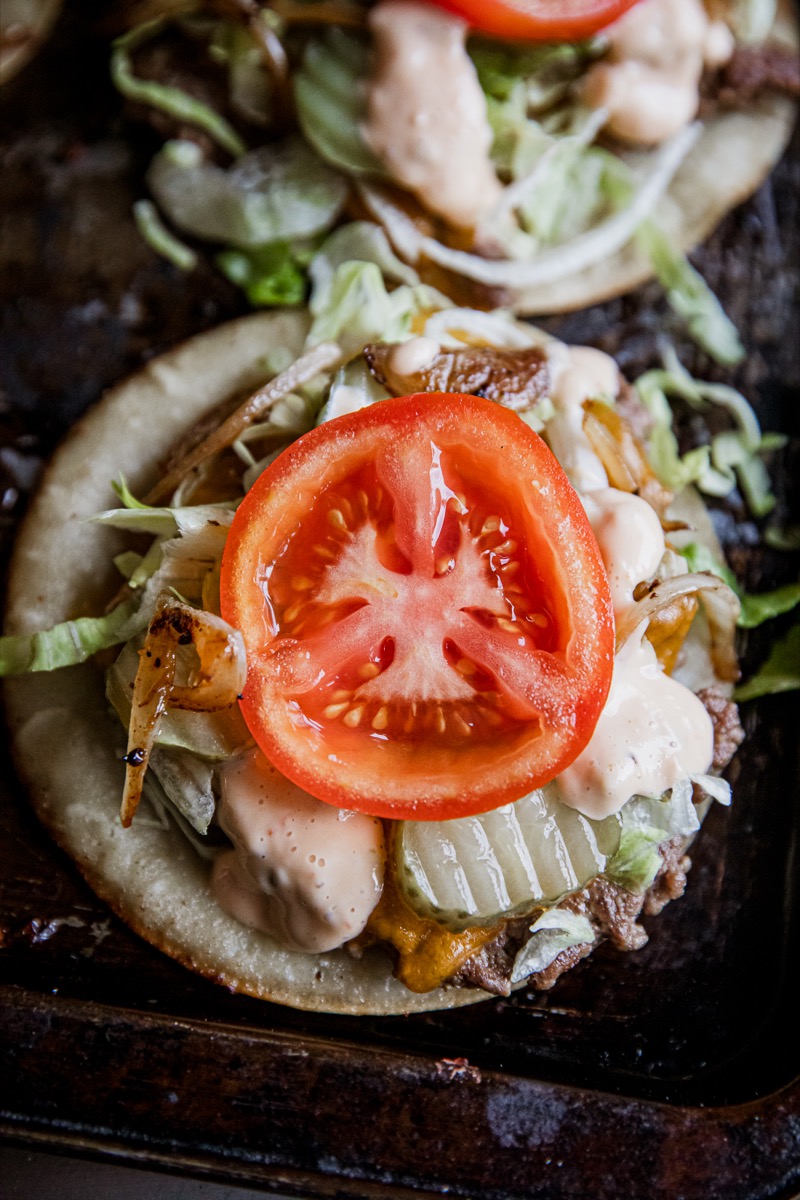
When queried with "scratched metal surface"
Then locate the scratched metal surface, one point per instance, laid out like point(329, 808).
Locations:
point(684, 1056)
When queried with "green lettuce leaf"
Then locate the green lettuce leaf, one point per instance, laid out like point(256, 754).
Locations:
point(159, 238)
point(756, 608)
point(646, 823)
point(352, 306)
point(780, 672)
point(171, 100)
point(268, 275)
point(68, 643)
point(166, 522)
point(732, 455)
point(691, 297)
point(556, 930)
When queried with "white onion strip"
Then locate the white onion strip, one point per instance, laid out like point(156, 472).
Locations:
point(557, 262)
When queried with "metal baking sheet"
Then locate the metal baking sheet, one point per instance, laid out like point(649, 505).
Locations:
point(671, 1072)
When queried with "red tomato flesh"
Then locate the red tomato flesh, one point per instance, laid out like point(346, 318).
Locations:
point(538, 20)
point(427, 618)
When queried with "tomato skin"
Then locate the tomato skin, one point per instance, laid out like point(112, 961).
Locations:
point(462, 713)
point(538, 20)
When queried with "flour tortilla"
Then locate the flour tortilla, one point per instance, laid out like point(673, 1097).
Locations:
point(733, 156)
point(66, 745)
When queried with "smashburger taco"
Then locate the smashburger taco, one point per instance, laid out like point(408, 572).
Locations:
point(540, 155)
point(414, 713)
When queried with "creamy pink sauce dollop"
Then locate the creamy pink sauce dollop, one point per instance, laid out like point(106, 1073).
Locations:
point(649, 82)
point(426, 113)
point(306, 873)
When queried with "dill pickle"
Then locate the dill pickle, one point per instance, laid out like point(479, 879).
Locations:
point(477, 870)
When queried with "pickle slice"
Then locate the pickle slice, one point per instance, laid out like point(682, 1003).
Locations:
point(478, 870)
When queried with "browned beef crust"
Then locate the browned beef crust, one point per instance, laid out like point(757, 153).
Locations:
point(728, 732)
point(754, 70)
point(514, 378)
point(612, 910)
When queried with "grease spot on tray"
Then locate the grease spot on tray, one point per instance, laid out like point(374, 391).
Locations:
point(518, 1118)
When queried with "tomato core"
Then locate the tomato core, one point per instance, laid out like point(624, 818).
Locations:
point(420, 642)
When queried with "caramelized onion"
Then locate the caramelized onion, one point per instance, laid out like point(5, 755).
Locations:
point(320, 358)
point(721, 607)
point(623, 455)
point(515, 378)
point(215, 682)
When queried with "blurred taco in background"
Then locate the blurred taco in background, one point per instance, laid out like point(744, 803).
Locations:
point(544, 175)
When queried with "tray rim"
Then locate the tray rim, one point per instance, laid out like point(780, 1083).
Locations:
point(772, 1120)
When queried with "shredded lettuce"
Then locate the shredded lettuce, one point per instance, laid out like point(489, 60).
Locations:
point(730, 457)
point(68, 643)
point(646, 823)
point(354, 387)
point(556, 930)
point(756, 608)
point(171, 100)
point(637, 862)
point(780, 672)
point(359, 241)
point(273, 194)
point(691, 297)
point(126, 496)
point(352, 306)
point(166, 521)
point(268, 275)
point(160, 239)
point(546, 71)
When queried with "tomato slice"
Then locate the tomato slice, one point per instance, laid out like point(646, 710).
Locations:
point(426, 615)
point(538, 20)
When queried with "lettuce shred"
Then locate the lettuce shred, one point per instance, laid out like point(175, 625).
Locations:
point(554, 931)
point(351, 306)
point(68, 643)
point(171, 100)
point(159, 238)
point(756, 608)
point(732, 456)
point(691, 297)
point(646, 823)
point(780, 672)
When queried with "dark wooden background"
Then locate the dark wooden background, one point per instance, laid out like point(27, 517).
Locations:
point(673, 1072)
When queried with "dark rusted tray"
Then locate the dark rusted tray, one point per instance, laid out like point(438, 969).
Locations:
point(670, 1073)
